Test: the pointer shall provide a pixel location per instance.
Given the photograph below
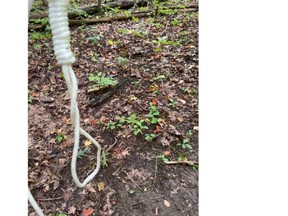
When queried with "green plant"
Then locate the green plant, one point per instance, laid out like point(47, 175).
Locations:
point(59, 137)
point(95, 39)
point(139, 34)
point(104, 158)
point(168, 11)
point(160, 77)
point(122, 61)
point(153, 114)
point(82, 153)
point(137, 125)
point(186, 90)
point(112, 125)
point(43, 21)
point(101, 81)
point(181, 157)
point(185, 144)
point(76, 10)
point(154, 88)
point(163, 158)
point(135, 19)
point(176, 22)
point(162, 41)
point(37, 46)
point(30, 98)
point(37, 35)
point(191, 16)
point(172, 102)
point(60, 214)
point(150, 137)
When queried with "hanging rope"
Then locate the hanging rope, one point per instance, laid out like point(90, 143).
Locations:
point(58, 18)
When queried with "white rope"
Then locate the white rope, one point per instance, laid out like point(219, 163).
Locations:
point(58, 18)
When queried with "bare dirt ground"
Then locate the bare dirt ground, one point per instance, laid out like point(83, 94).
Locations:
point(133, 179)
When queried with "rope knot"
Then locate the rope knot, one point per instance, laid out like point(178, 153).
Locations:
point(58, 18)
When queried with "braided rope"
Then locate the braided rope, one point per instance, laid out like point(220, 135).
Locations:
point(58, 18)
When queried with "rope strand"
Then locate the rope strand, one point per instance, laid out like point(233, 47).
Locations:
point(58, 18)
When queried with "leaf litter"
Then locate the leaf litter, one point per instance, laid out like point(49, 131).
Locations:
point(155, 77)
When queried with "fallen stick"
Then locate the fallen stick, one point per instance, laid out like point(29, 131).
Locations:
point(181, 162)
point(119, 17)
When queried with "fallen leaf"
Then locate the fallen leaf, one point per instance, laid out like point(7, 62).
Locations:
point(180, 119)
point(55, 185)
point(67, 196)
point(72, 210)
point(157, 57)
point(90, 188)
point(93, 122)
point(122, 154)
point(100, 186)
point(87, 212)
point(196, 128)
point(182, 101)
point(87, 143)
point(165, 142)
point(166, 153)
point(86, 121)
point(158, 129)
point(154, 101)
point(167, 203)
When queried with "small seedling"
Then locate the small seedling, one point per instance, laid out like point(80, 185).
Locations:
point(37, 46)
point(136, 124)
point(101, 81)
point(172, 102)
point(181, 157)
point(155, 88)
point(135, 19)
point(160, 77)
point(122, 61)
point(104, 158)
point(95, 39)
point(153, 114)
point(185, 144)
point(162, 41)
point(150, 137)
point(82, 153)
point(176, 22)
point(163, 158)
point(30, 98)
point(59, 138)
point(186, 90)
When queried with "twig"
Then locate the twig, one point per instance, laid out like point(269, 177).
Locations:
point(50, 199)
point(133, 181)
point(164, 29)
point(181, 162)
point(112, 144)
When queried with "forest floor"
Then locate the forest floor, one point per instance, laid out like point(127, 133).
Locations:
point(159, 58)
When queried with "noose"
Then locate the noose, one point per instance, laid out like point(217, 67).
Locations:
point(58, 18)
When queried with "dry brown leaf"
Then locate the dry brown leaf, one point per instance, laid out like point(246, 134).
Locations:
point(67, 196)
point(167, 203)
point(87, 212)
point(182, 101)
point(72, 210)
point(100, 186)
point(166, 153)
point(180, 119)
point(87, 143)
point(90, 188)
